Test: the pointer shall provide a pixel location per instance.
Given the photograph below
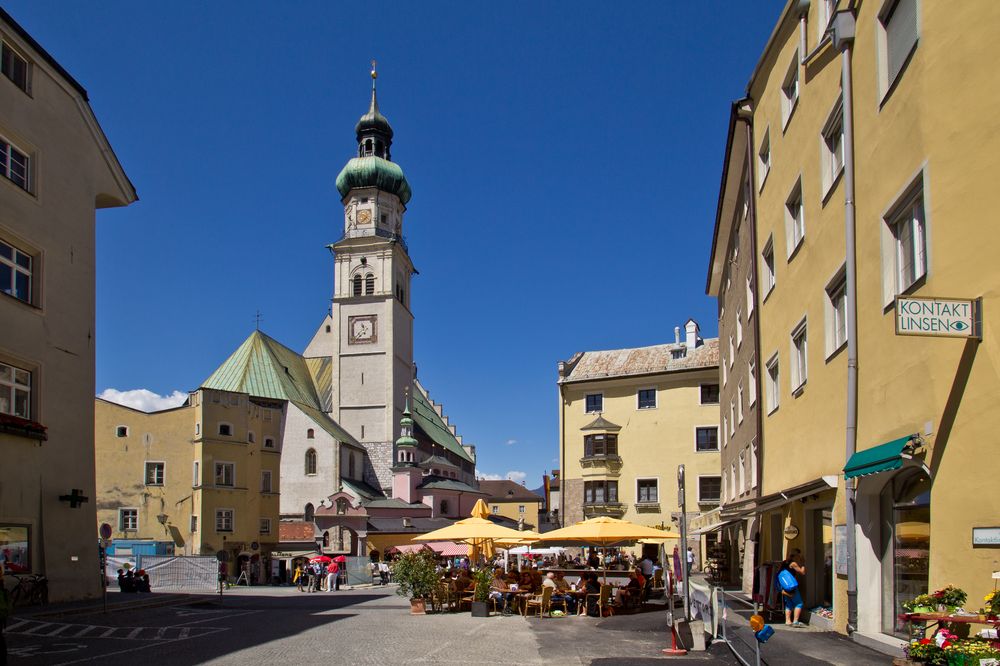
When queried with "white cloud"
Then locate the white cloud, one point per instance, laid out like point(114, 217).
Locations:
point(511, 442)
point(143, 399)
point(513, 475)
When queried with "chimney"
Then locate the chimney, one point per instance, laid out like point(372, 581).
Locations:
point(407, 522)
point(677, 335)
point(691, 328)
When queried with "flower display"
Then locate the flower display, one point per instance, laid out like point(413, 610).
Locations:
point(992, 606)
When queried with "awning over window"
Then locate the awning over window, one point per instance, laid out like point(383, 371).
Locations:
point(882, 458)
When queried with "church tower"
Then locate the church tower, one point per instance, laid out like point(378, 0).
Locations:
point(369, 333)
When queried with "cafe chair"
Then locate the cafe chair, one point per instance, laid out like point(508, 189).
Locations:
point(543, 601)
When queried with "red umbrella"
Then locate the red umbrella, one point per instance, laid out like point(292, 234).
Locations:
point(323, 559)
point(341, 559)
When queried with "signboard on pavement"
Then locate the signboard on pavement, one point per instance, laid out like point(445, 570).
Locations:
point(941, 317)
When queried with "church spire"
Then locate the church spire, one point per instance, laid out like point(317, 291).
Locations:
point(373, 131)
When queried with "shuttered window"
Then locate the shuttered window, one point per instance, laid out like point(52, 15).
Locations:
point(900, 24)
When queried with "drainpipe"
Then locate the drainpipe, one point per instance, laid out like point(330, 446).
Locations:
point(842, 28)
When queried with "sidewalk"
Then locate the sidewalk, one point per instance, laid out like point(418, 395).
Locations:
point(117, 602)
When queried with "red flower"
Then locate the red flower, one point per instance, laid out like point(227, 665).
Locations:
point(925, 641)
point(945, 644)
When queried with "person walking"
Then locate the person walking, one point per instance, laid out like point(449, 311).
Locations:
point(690, 560)
point(332, 573)
point(383, 572)
point(788, 579)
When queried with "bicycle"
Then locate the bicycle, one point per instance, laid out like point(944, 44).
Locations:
point(30, 590)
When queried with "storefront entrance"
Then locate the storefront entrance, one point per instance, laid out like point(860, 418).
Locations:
point(904, 546)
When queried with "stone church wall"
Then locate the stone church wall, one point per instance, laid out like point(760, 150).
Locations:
point(378, 466)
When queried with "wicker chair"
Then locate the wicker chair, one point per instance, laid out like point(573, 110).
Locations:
point(543, 601)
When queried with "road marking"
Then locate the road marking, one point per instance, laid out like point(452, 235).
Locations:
point(184, 633)
point(37, 628)
point(59, 629)
point(109, 632)
point(135, 632)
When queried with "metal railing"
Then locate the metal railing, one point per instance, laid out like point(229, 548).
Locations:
point(737, 635)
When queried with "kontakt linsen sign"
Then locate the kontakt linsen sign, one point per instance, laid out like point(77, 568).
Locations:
point(946, 317)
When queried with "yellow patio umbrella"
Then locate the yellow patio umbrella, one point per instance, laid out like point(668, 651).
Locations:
point(524, 538)
point(480, 509)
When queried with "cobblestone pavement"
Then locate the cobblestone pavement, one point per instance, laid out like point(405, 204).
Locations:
point(360, 626)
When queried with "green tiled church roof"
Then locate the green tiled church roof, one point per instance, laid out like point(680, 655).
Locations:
point(431, 423)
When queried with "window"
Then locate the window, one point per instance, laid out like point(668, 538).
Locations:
point(268, 442)
point(739, 328)
point(496, 508)
point(600, 445)
point(752, 383)
point(197, 428)
point(790, 91)
point(15, 391)
point(709, 394)
point(732, 477)
point(725, 489)
point(15, 165)
point(154, 473)
point(773, 387)
point(836, 313)
point(904, 263)
point(795, 224)
point(647, 490)
point(267, 412)
point(599, 492)
point(369, 284)
point(799, 367)
point(121, 431)
point(265, 525)
point(310, 434)
point(196, 474)
point(767, 266)
point(225, 430)
point(826, 10)
point(128, 520)
point(647, 398)
point(309, 513)
point(594, 402)
point(725, 378)
point(194, 523)
point(310, 462)
point(897, 40)
point(832, 148)
point(732, 351)
point(251, 438)
point(520, 508)
point(265, 481)
point(764, 159)
point(15, 272)
point(357, 285)
point(732, 417)
point(707, 438)
point(14, 66)
point(753, 464)
point(224, 520)
point(742, 472)
point(749, 298)
point(709, 489)
point(725, 428)
point(739, 401)
point(225, 474)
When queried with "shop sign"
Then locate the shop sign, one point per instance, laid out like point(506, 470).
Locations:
point(840, 549)
point(791, 532)
point(986, 536)
point(941, 317)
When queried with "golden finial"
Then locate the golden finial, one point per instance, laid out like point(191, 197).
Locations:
point(374, 73)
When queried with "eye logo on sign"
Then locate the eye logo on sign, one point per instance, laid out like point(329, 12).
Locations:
point(940, 317)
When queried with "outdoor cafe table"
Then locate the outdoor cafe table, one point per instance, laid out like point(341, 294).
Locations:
point(937, 618)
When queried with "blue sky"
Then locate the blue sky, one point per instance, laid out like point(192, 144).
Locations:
point(564, 158)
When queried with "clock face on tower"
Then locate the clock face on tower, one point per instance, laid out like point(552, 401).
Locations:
point(364, 216)
point(362, 329)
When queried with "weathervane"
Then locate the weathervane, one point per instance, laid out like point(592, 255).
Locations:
point(374, 73)
point(258, 318)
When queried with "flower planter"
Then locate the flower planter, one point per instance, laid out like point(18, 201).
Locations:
point(418, 607)
point(480, 609)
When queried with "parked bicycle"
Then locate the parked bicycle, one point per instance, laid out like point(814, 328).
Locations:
point(30, 590)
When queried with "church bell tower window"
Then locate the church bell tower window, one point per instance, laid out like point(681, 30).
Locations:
point(357, 285)
point(369, 284)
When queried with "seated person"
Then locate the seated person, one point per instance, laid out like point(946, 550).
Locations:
point(500, 591)
point(632, 591)
point(592, 588)
point(558, 597)
point(526, 583)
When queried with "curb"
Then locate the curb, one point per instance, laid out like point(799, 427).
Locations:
point(161, 600)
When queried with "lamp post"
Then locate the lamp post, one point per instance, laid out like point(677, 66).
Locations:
point(683, 549)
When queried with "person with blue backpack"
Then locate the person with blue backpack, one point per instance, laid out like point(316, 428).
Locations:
point(791, 595)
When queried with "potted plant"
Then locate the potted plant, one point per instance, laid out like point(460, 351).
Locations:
point(417, 575)
point(481, 596)
point(992, 607)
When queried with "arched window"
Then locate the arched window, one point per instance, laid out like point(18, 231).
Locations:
point(311, 461)
point(310, 434)
point(369, 284)
point(444, 507)
point(310, 513)
point(357, 285)
point(326, 539)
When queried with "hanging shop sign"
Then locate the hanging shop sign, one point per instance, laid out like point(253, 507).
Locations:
point(939, 317)
point(791, 532)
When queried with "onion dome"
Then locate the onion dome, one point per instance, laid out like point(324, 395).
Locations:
point(406, 438)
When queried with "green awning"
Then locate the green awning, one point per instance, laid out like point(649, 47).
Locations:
point(882, 458)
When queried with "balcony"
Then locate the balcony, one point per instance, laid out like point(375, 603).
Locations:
point(612, 462)
point(594, 509)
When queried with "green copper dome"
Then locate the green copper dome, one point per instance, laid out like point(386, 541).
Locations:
point(374, 172)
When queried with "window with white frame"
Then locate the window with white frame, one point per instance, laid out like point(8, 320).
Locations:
point(752, 382)
point(725, 429)
point(265, 525)
point(594, 402)
point(725, 378)
point(121, 431)
point(16, 270)
point(767, 266)
point(732, 417)
point(194, 523)
point(790, 90)
point(15, 67)
point(647, 491)
point(739, 401)
point(739, 327)
point(753, 464)
point(832, 146)
point(897, 38)
point(904, 262)
point(224, 520)
point(310, 462)
point(520, 508)
point(795, 223)
point(800, 370)
point(749, 297)
point(764, 159)
point(155, 473)
point(732, 476)
point(742, 472)
point(773, 385)
point(128, 520)
point(265, 481)
point(225, 474)
point(706, 438)
point(709, 489)
point(836, 313)
point(15, 164)
point(725, 490)
point(826, 9)
point(647, 398)
point(268, 442)
point(709, 394)
point(196, 474)
point(225, 430)
point(15, 391)
point(732, 351)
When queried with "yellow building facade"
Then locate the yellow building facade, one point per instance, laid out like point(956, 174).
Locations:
point(627, 419)
point(203, 477)
point(921, 101)
point(513, 501)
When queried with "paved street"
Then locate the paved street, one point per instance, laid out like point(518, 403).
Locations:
point(363, 626)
